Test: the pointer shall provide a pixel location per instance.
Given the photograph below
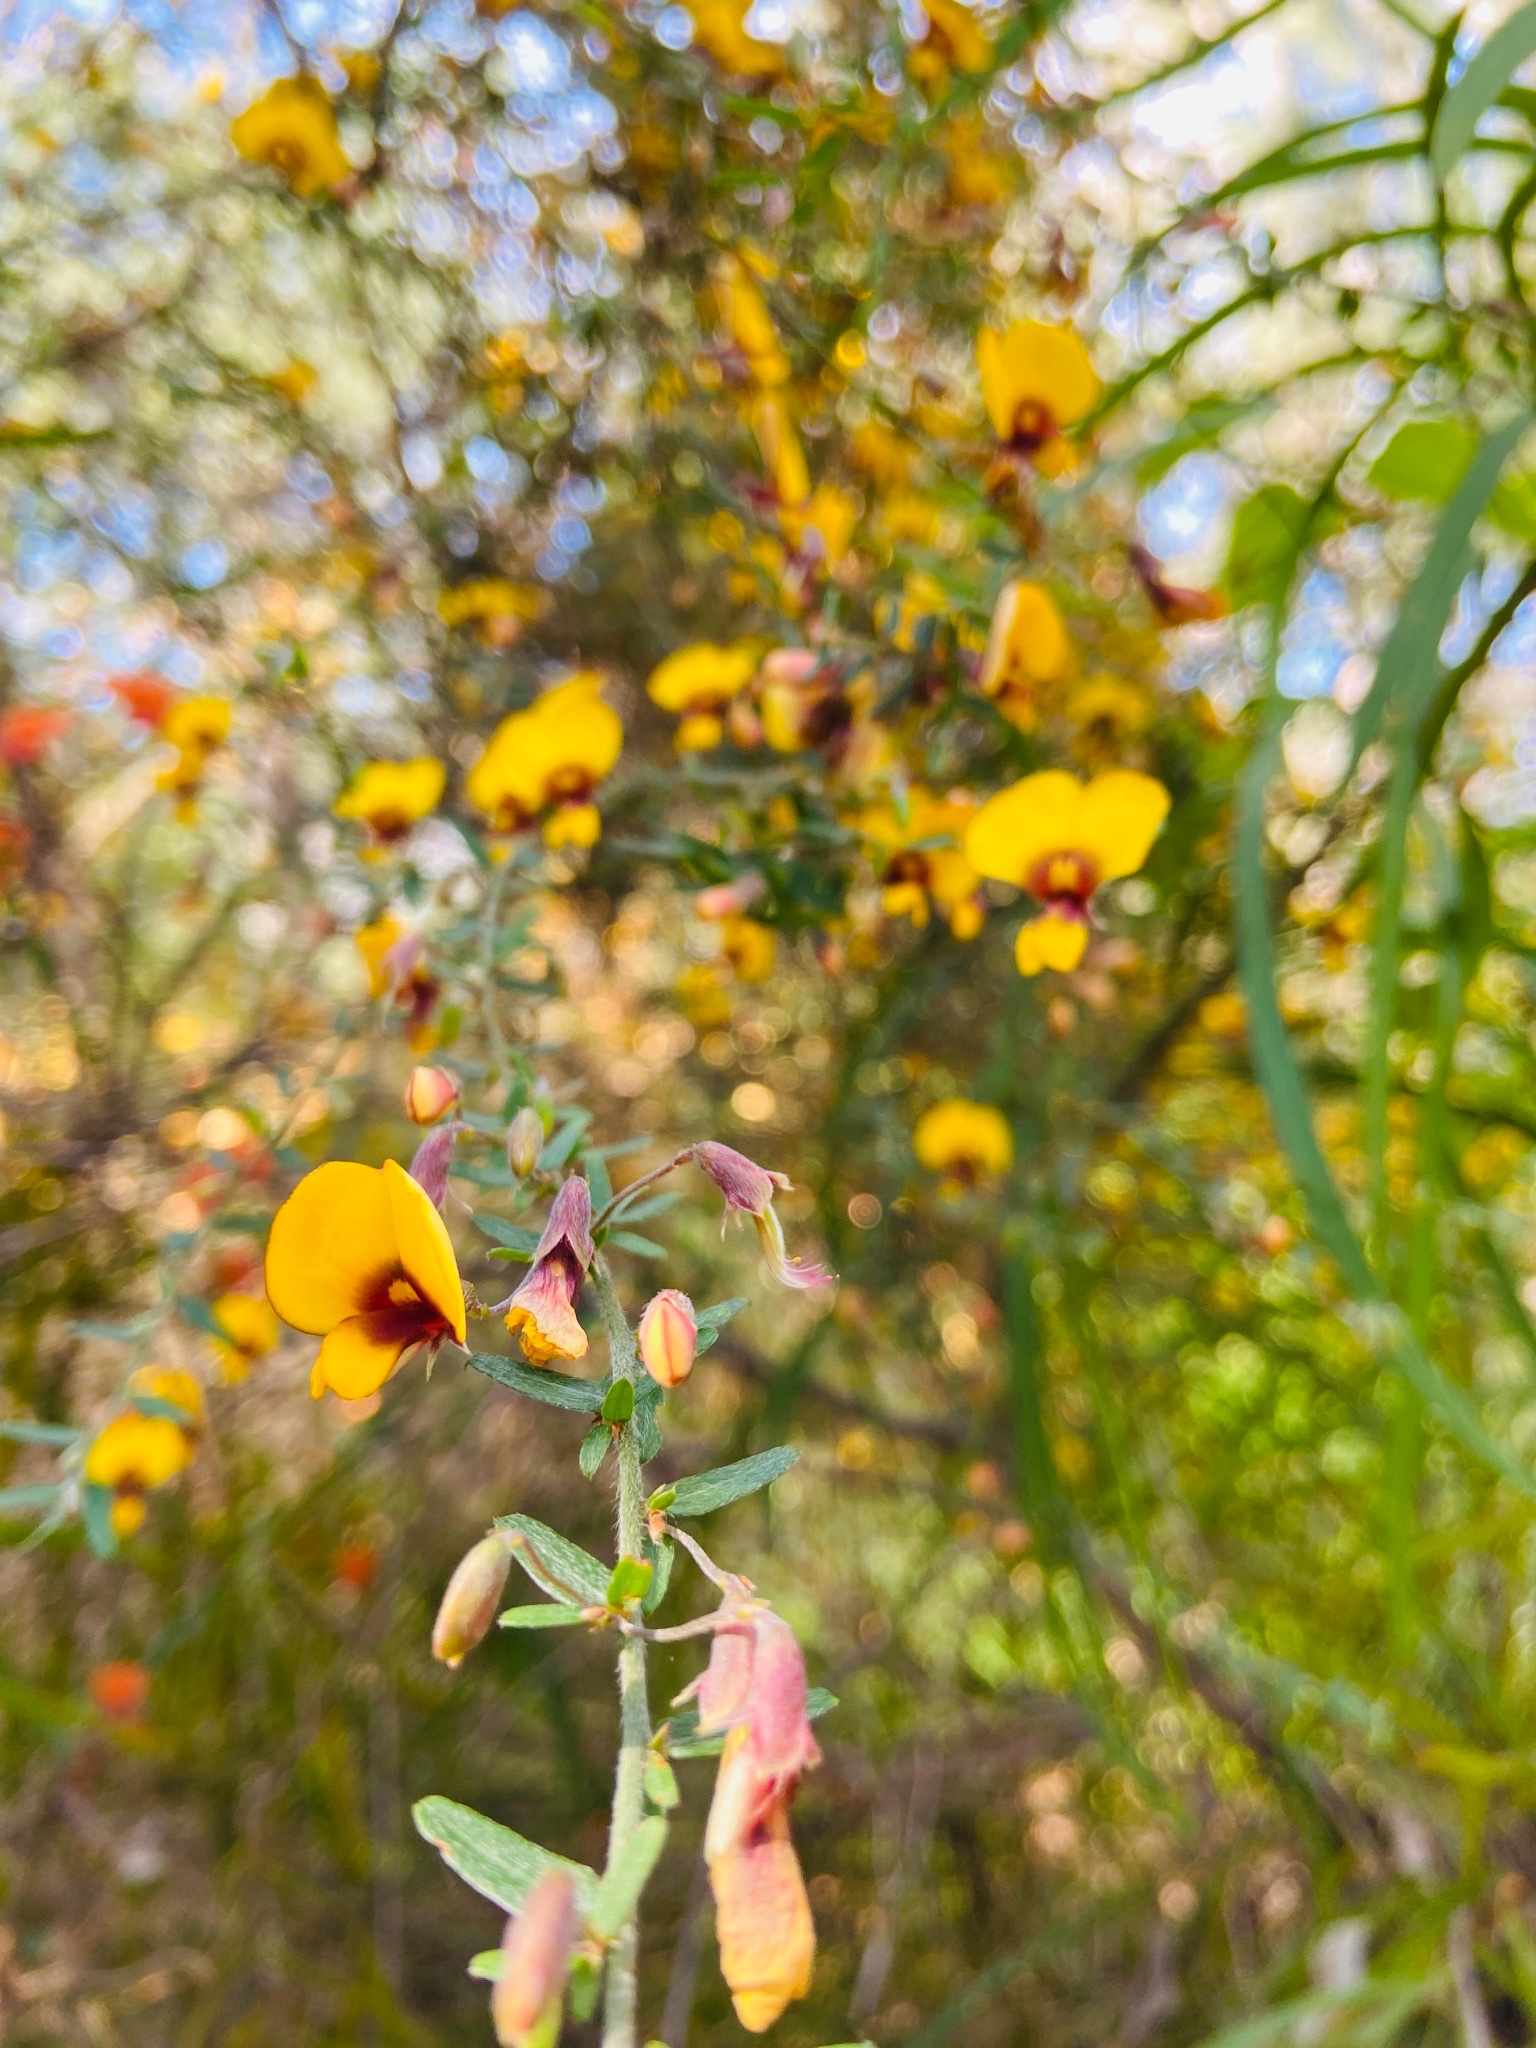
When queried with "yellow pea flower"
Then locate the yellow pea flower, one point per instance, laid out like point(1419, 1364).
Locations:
point(293, 128)
point(196, 727)
point(499, 608)
point(554, 753)
point(779, 445)
point(389, 797)
point(1037, 381)
point(1060, 839)
point(747, 323)
point(954, 41)
point(248, 1331)
point(965, 1141)
point(822, 525)
point(1107, 711)
point(698, 681)
point(132, 1455)
point(358, 1256)
point(920, 860)
point(1028, 646)
point(170, 1384)
point(750, 948)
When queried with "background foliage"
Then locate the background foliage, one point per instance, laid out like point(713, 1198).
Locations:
point(1164, 1518)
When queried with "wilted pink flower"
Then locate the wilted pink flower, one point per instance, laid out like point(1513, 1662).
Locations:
point(434, 1155)
point(535, 1960)
point(668, 1337)
point(750, 1188)
point(543, 1310)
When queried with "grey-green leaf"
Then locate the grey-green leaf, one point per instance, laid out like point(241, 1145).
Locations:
point(494, 1861)
point(705, 1491)
point(555, 1563)
point(555, 1389)
point(544, 1614)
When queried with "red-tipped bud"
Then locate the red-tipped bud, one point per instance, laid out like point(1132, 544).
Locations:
point(535, 1961)
point(730, 899)
point(525, 1141)
point(430, 1092)
point(669, 1337)
point(469, 1605)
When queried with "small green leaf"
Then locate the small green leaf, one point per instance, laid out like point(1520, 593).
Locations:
point(624, 1880)
point(200, 1316)
point(564, 1143)
point(555, 1389)
point(551, 1614)
point(629, 1580)
point(39, 1432)
point(1265, 534)
point(502, 1866)
point(662, 1499)
point(512, 1237)
point(582, 1988)
point(647, 1428)
point(597, 1179)
point(21, 1500)
point(96, 1516)
point(660, 1783)
point(1490, 70)
point(712, 1321)
point(705, 1491)
point(595, 1446)
point(619, 1401)
point(556, 1564)
point(1425, 459)
point(661, 1555)
point(487, 1965)
point(632, 1241)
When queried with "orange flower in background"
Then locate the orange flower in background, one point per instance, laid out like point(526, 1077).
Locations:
point(27, 731)
point(389, 797)
point(1061, 839)
point(550, 758)
point(1037, 381)
point(120, 1689)
point(393, 956)
point(1028, 648)
point(292, 127)
point(359, 1256)
point(146, 698)
point(1174, 604)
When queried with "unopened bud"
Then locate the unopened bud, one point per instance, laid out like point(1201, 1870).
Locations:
point(434, 1156)
point(470, 1602)
point(535, 1960)
point(790, 665)
point(525, 1141)
point(729, 899)
point(430, 1092)
point(669, 1337)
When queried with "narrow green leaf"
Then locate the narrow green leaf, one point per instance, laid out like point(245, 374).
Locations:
point(562, 1146)
point(96, 1518)
point(659, 1783)
point(625, 1878)
point(632, 1241)
point(58, 1433)
point(706, 1491)
point(502, 1866)
point(595, 1446)
point(1479, 86)
point(597, 1179)
point(199, 1315)
point(646, 1425)
point(719, 1313)
point(549, 1614)
point(555, 1563)
point(555, 1389)
point(514, 1237)
point(19, 1500)
point(661, 1556)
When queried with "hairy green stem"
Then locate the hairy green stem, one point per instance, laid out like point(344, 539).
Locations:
point(619, 2006)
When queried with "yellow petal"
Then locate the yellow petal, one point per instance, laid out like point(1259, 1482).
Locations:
point(699, 678)
point(358, 1357)
point(137, 1450)
point(425, 1250)
point(960, 1133)
point(393, 794)
point(1055, 942)
point(1016, 829)
point(1121, 814)
point(331, 1247)
point(1034, 365)
point(573, 825)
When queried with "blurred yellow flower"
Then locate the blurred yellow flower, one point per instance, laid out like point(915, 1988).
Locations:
point(922, 598)
point(553, 754)
point(389, 797)
point(179, 1390)
point(702, 999)
point(1028, 645)
point(750, 948)
point(697, 681)
point(132, 1455)
point(965, 1141)
point(196, 727)
point(1037, 381)
point(954, 41)
point(748, 324)
point(717, 28)
point(779, 444)
point(358, 1256)
point(977, 172)
point(919, 859)
point(248, 1331)
point(822, 525)
point(293, 128)
point(1107, 711)
point(1060, 839)
point(499, 608)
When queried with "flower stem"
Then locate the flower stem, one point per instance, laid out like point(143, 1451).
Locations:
point(619, 2006)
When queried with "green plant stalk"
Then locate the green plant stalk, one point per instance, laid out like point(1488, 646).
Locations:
point(619, 2003)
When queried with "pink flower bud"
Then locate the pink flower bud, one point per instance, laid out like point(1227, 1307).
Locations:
point(535, 1961)
point(525, 1141)
point(730, 899)
point(469, 1604)
point(790, 665)
point(430, 1092)
point(669, 1337)
point(434, 1156)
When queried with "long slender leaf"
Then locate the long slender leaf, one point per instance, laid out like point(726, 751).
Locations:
point(705, 1491)
point(494, 1861)
point(555, 1563)
point(1479, 86)
point(555, 1389)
